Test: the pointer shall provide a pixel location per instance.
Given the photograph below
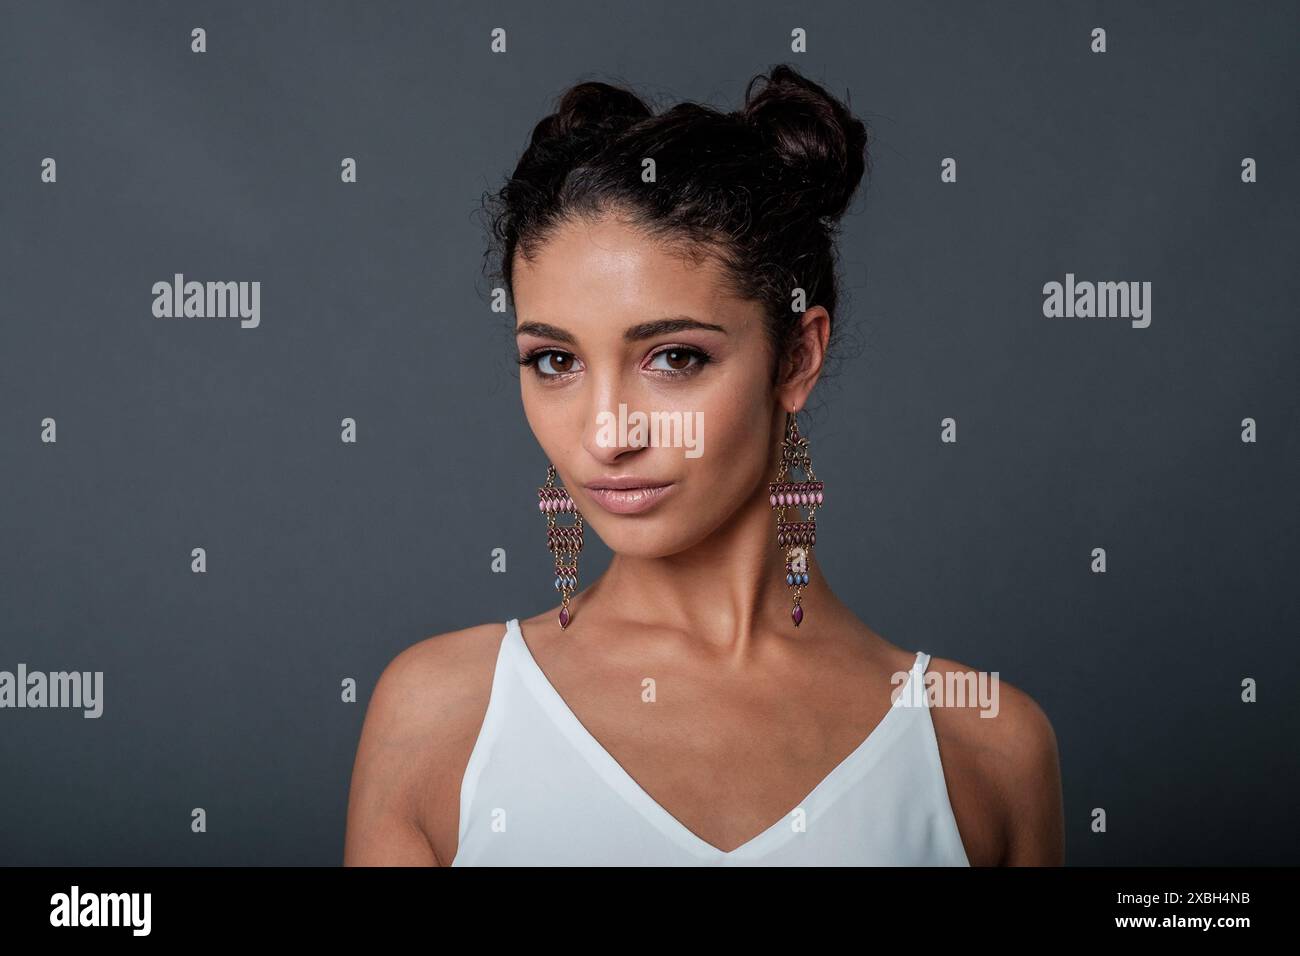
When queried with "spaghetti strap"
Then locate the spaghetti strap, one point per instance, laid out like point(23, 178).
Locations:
point(541, 790)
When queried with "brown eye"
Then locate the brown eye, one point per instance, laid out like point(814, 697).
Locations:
point(560, 362)
point(550, 363)
point(679, 361)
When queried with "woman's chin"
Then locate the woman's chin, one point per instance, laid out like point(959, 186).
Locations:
point(646, 542)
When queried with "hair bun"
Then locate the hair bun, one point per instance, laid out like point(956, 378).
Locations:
point(591, 107)
point(813, 135)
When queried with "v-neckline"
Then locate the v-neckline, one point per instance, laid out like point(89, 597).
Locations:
point(618, 777)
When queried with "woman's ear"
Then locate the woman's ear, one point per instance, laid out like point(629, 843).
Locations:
point(804, 358)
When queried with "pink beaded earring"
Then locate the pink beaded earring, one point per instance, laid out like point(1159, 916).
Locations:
point(564, 541)
point(798, 536)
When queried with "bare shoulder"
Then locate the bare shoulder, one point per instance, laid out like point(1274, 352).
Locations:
point(999, 751)
point(421, 721)
point(990, 712)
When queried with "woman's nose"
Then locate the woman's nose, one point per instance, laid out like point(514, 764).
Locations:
point(607, 433)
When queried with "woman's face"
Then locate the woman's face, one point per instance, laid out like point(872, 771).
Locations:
point(592, 309)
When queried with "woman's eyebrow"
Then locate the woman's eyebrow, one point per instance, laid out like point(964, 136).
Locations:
point(644, 330)
point(544, 330)
point(675, 323)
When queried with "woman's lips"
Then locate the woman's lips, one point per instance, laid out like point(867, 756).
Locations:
point(629, 501)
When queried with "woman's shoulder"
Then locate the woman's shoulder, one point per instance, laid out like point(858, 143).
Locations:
point(1000, 749)
point(428, 682)
point(420, 724)
point(447, 649)
point(998, 713)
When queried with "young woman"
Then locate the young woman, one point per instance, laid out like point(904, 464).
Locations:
point(708, 700)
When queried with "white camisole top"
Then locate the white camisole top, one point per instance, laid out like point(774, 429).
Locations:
point(540, 790)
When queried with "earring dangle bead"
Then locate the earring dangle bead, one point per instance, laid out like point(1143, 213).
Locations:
point(564, 541)
point(797, 536)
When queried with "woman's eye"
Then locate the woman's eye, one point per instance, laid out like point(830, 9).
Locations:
point(555, 363)
point(679, 361)
point(548, 363)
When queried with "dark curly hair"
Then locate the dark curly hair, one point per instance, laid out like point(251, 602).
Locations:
point(761, 188)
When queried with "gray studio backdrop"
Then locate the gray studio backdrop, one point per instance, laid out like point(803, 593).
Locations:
point(324, 558)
